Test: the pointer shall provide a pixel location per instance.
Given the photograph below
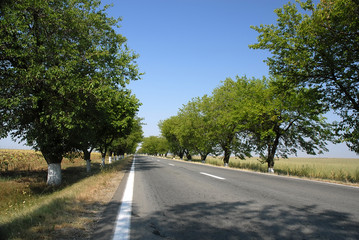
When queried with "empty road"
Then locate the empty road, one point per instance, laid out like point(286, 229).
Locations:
point(180, 200)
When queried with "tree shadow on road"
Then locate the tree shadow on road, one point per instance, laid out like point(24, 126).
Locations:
point(243, 220)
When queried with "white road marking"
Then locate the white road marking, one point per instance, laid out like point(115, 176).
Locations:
point(123, 221)
point(214, 176)
point(171, 164)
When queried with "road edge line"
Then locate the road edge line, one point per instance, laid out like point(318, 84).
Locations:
point(123, 220)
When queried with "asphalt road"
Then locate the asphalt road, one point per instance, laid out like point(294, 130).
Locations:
point(181, 200)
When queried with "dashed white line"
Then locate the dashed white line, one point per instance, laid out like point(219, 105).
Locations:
point(123, 221)
point(171, 164)
point(210, 175)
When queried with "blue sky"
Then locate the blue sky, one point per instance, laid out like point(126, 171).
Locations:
point(187, 47)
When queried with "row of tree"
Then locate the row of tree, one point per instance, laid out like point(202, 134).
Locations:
point(154, 145)
point(63, 77)
point(319, 49)
point(246, 116)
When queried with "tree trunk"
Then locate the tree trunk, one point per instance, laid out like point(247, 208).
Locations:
point(103, 159)
point(53, 159)
point(87, 157)
point(203, 157)
point(110, 158)
point(227, 155)
point(88, 165)
point(272, 149)
point(54, 174)
point(188, 156)
point(180, 154)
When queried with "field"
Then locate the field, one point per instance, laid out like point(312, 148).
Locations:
point(344, 170)
point(29, 209)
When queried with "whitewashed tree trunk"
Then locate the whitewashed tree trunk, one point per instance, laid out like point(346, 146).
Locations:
point(103, 162)
point(54, 174)
point(88, 165)
point(110, 159)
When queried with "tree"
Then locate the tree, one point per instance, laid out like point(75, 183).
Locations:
point(320, 50)
point(50, 54)
point(280, 123)
point(194, 132)
point(169, 129)
point(154, 145)
point(108, 114)
point(227, 117)
point(162, 146)
point(129, 143)
point(118, 119)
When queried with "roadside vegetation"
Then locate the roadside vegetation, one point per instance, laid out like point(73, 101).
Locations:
point(344, 170)
point(63, 81)
point(31, 209)
point(340, 170)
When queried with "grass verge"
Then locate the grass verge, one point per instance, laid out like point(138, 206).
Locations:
point(31, 210)
point(342, 170)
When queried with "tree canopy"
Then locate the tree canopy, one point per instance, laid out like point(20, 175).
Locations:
point(154, 145)
point(246, 116)
point(319, 48)
point(61, 64)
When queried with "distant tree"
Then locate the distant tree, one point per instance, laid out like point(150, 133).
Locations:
point(51, 53)
point(118, 119)
point(149, 145)
point(169, 129)
point(319, 49)
point(154, 145)
point(194, 132)
point(128, 143)
point(163, 147)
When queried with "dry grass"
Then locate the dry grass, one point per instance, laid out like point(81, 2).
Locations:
point(31, 210)
point(344, 170)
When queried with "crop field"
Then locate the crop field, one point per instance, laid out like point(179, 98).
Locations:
point(335, 169)
point(29, 209)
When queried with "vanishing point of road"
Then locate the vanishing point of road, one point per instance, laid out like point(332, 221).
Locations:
point(182, 200)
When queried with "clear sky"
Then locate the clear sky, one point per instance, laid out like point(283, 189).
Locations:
point(187, 47)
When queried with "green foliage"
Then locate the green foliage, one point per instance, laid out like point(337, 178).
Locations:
point(63, 72)
point(319, 50)
point(246, 116)
point(169, 129)
point(154, 145)
point(287, 121)
point(227, 112)
point(194, 133)
point(128, 143)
